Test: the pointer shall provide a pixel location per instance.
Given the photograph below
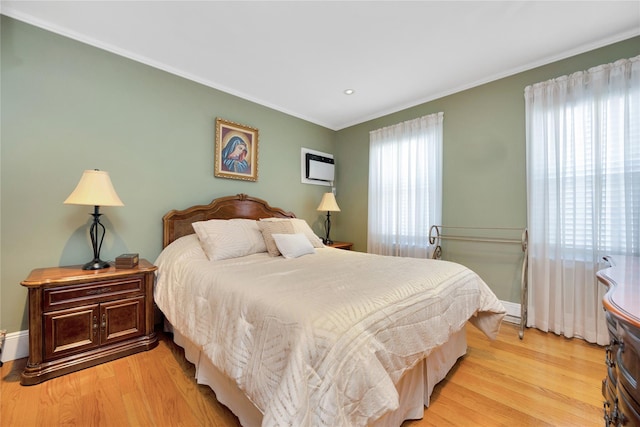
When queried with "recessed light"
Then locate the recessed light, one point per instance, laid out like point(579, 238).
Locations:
point(349, 91)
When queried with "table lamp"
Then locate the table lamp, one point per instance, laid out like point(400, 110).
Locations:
point(329, 204)
point(95, 189)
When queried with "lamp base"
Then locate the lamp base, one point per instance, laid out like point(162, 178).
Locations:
point(96, 264)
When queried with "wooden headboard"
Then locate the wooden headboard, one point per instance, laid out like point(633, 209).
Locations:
point(177, 223)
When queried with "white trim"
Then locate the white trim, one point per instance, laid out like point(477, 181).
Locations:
point(15, 346)
point(15, 13)
point(303, 167)
point(513, 312)
point(125, 53)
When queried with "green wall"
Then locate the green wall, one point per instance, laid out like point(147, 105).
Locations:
point(67, 107)
point(484, 176)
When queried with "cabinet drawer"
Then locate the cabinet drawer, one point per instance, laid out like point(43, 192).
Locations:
point(68, 296)
point(629, 408)
point(628, 360)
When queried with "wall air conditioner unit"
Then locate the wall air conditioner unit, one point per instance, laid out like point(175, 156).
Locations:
point(316, 167)
point(319, 168)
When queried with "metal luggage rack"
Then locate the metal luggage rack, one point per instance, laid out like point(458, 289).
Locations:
point(436, 236)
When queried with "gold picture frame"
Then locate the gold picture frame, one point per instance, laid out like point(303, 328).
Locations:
point(236, 151)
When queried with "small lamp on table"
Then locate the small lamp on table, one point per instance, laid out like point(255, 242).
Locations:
point(95, 189)
point(329, 204)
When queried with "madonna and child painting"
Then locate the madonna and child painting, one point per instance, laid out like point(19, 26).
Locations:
point(236, 151)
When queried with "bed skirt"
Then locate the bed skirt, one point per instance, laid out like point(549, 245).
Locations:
point(415, 386)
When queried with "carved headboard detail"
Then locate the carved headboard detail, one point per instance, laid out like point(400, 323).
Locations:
point(177, 223)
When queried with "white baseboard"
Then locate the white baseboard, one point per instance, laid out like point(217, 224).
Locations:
point(513, 312)
point(15, 346)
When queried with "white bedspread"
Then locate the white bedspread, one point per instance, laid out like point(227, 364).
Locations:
point(320, 340)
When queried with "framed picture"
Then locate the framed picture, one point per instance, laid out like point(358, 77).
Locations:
point(236, 151)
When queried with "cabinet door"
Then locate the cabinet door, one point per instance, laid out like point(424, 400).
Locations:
point(123, 319)
point(71, 331)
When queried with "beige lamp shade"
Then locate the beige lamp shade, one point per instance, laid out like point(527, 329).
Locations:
point(94, 189)
point(328, 203)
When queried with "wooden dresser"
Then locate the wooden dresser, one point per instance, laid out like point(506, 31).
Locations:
point(80, 318)
point(620, 388)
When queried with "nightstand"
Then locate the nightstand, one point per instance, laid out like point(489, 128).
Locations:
point(80, 318)
point(342, 245)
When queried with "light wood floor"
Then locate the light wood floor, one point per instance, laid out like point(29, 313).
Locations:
point(544, 380)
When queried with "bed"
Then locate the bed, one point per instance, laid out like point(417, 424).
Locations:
point(310, 335)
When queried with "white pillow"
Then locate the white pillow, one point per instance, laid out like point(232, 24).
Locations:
point(293, 245)
point(268, 228)
point(224, 239)
point(301, 226)
point(252, 233)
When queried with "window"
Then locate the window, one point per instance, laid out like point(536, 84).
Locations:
point(405, 186)
point(588, 164)
point(583, 192)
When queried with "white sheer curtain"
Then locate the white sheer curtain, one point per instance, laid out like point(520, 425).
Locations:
point(583, 192)
point(405, 186)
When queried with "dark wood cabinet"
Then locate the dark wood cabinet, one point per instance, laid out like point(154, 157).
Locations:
point(341, 245)
point(80, 318)
point(620, 387)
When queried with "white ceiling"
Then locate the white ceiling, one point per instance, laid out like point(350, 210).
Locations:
point(299, 57)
